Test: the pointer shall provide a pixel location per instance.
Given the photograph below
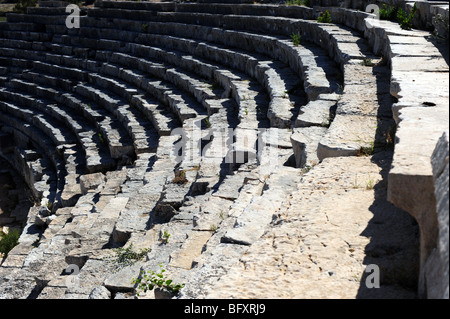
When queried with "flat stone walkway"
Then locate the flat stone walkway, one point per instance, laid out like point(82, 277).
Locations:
point(338, 222)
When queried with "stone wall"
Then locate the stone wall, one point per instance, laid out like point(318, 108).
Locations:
point(435, 273)
point(431, 15)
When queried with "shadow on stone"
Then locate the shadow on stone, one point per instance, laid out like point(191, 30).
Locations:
point(393, 246)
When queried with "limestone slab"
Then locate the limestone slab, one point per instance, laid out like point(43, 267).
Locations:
point(347, 135)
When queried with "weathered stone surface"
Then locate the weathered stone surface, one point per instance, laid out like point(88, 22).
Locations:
point(347, 135)
point(305, 141)
point(435, 272)
point(319, 249)
point(191, 249)
point(317, 113)
point(121, 280)
point(100, 292)
point(411, 185)
point(91, 182)
point(255, 218)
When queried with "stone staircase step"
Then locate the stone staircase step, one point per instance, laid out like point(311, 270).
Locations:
point(253, 221)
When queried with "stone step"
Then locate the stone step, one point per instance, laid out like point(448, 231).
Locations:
point(75, 107)
point(238, 7)
point(35, 18)
point(305, 142)
point(275, 77)
point(25, 27)
point(163, 120)
point(96, 158)
point(186, 81)
point(270, 79)
point(317, 113)
point(363, 113)
point(114, 85)
point(124, 145)
point(143, 135)
point(25, 36)
point(265, 44)
point(33, 170)
point(187, 63)
point(42, 121)
point(253, 221)
point(180, 102)
point(57, 157)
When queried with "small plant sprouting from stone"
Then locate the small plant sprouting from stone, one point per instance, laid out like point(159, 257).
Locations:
point(306, 3)
point(367, 150)
point(325, 17)
point(8, 241)
point(367, 62)
point(370, 184)
point(207, 122)
point(180, 178)
point(355, 183)
point(151, 279)
point(127, 256)
point(50, 206)
point(165, 237)
point(296, 39)
point(405, 19)
point(399, 15)
point(306, 169)
point(101, 139)
point(246, 111)
point(22, 5)
point(144, 27)
point(213, 228)
point(388, 12)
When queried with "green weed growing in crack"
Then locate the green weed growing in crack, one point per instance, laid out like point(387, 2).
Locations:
point(50, 206)
point(405, 19)
point(367, 150)
point(165, 237)
point(370, 183)
point(325, 17)
point(306, 3)
point(388, 12)
point(296, 39)
point(124, 257)
point(355, 183)
point(101, 139)
point(180, 177)
point(151, 279)
point(8, 241)
point(309, 167)
point(367, 62)
point(207, 122)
